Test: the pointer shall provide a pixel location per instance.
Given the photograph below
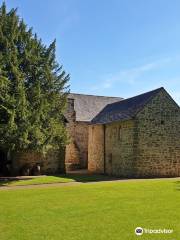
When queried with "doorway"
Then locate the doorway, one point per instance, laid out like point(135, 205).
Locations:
point(4, 166)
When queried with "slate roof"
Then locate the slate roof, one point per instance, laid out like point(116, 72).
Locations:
point(124, 109)
point(88, 106)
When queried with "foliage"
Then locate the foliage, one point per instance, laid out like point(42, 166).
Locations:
point(33, 88)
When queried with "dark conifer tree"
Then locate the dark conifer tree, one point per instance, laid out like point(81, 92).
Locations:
point(33, 88)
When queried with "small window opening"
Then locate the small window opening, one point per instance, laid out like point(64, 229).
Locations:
point(119, 133)
point(110, 158)
point(162, 122)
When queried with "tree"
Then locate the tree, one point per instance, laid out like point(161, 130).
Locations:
point(33, 88)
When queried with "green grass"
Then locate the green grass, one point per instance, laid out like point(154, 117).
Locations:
point(101, 211)
point(54, 179)
point(35, 181)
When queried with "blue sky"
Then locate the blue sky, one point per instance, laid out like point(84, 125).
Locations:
point(113, 48)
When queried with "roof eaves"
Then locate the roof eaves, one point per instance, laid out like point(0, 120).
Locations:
point(113, 121)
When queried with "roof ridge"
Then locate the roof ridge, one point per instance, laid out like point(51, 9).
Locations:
point(125, 109)
point(141, 94)
point(83, 94)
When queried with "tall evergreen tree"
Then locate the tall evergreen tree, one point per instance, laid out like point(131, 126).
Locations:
point(33, 88)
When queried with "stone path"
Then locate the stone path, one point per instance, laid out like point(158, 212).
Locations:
point(48, 185)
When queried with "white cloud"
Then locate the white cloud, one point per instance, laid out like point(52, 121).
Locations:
point(130, 76)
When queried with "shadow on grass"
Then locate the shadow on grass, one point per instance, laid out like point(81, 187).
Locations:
point(89, 177)
point(50, 179)
point(4, 181)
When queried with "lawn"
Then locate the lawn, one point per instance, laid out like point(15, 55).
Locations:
point(35, 181)
point(65, 178)
point(97, 211)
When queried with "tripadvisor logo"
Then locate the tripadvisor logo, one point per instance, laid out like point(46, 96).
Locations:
point(139, 231)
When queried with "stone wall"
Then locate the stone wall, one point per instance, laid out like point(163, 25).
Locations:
point(96, 149)
point(72, 159)
point(72, 151)
point(119, 152)
point(77, 149)
point(147, 146)
point(158, 138)
point(52, 163)
point(119, 149)
point(81, 139)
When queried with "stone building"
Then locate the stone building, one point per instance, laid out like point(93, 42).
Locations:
point(136, 137)
point(28, 163)
point(81, 110)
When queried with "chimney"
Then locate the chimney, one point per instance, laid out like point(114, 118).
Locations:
point(71, 114)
